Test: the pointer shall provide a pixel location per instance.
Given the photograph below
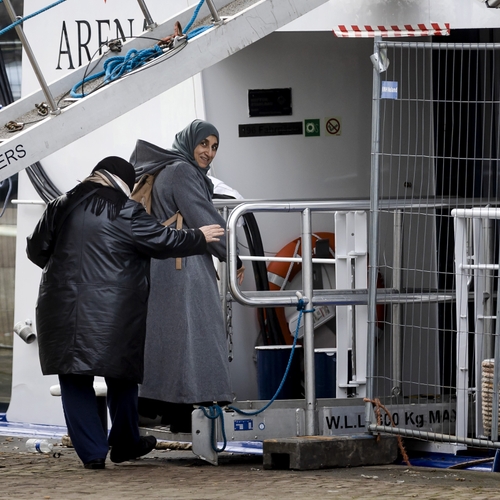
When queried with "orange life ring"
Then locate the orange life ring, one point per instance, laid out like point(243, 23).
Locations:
point(280, 273)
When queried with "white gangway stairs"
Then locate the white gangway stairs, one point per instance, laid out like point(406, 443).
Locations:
point(247, 22)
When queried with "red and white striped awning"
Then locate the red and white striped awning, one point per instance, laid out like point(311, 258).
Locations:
point(434, 29)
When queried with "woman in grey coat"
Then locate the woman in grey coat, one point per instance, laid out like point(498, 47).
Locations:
point(186, 356)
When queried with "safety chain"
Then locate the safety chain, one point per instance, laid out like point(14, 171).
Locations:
point(229, 328)
point(13, 126)
point(42, 109)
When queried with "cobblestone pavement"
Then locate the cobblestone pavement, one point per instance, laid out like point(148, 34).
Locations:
point(165, 474)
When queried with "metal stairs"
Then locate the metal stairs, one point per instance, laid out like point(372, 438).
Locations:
point(242, 22)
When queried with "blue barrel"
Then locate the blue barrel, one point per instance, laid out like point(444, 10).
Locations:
point(325, 368)
point(271, 366)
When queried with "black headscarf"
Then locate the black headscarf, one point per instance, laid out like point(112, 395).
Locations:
point(111, 198)
point(187, 139)
point(119, 167)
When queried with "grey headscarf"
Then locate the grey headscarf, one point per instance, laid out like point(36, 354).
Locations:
point(148, 158)
point(187, 139)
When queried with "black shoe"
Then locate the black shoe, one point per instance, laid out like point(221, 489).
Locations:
point(145, 445)
point(98, 463)
point(179, 417)
point(181, 427)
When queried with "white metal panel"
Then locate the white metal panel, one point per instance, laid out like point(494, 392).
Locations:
point(351, 272)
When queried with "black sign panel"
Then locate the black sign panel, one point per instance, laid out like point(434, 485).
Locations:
point(263, 129)
point(270, 102)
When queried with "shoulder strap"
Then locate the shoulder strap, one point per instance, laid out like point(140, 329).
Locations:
point(176, 217)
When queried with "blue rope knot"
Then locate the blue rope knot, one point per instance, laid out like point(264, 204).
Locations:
point(115, 67)
point(213, 413)
point(301, 306)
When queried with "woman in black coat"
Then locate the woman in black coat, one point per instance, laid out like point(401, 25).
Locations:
point(94, 245)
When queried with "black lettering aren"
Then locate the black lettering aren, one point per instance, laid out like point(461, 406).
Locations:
point(81, 43)
point(66, 50)
point(100, 39)
point(119, 30)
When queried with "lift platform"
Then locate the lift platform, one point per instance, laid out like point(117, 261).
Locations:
point(33, 136)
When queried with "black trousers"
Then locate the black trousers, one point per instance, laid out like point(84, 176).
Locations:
point(85, 428)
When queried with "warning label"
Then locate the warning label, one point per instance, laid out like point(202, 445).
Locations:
point(333, 126)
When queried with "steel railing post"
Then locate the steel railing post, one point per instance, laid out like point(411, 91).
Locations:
point(55, 110)
point(307, 283)
point(213, 11)
point(150, 24)
point(397, 345)
point(372, 237)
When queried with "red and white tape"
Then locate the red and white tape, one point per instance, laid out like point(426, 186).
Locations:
point(407, 30)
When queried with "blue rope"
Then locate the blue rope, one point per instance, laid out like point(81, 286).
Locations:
point(21, 20)
point(301, 309)
point(198, 31)
point(115, 67)
point(194, 16)
point(215, 411)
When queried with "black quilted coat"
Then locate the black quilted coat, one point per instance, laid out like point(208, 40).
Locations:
point(91, 309)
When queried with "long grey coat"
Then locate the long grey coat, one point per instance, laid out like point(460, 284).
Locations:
point(186, 356)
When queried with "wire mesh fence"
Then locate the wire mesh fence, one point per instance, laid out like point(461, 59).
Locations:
point(436, 117)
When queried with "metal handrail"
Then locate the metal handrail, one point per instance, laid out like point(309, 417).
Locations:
point(277, 297)
point(334, 297)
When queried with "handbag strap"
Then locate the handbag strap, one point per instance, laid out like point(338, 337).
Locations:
point(176, 217)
